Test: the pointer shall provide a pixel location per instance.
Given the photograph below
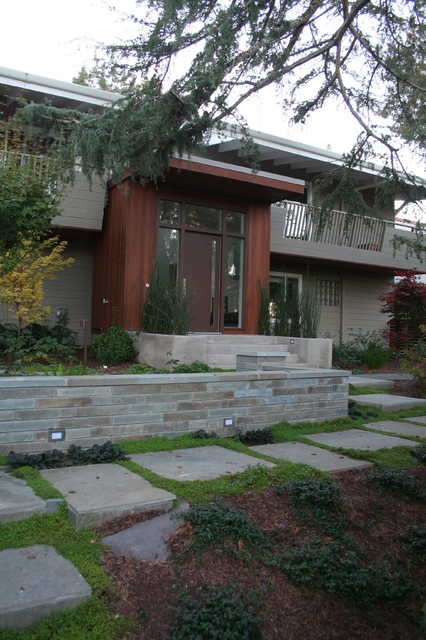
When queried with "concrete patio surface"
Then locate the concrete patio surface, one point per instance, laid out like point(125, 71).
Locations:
point(36, 582)
point(316, 457)
point(358, 439)
point(100, 492)
point(200, 463)
point(400, 428)
point(147, 540)
point(17, 499)
point(389, 403)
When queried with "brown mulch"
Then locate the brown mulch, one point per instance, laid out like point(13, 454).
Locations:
point(143, 590)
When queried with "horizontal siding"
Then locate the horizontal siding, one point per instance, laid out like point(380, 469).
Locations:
point(83, 205)
point(361, 306)
point(72, 289)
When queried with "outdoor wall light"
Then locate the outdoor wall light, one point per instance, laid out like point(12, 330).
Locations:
point(228, 422)
point(56, 435)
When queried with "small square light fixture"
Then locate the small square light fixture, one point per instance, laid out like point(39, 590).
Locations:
point(292, 340)
point(228, 422)
point(56, 435)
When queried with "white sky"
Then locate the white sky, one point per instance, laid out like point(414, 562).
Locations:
point(55, 38)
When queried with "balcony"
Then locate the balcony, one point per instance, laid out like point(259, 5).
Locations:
point(298, 230)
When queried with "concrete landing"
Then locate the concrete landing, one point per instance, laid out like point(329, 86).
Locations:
point(200, 463)
point(418, 420)
point(100, 492)
point(17, 499)
point(370, 382)
point(388, 402)
point(146, 540)
point(321, 459)
point(36, 582)
point(400, 428)
point(358, 439)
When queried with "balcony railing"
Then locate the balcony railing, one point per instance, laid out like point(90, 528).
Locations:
point(305, 222)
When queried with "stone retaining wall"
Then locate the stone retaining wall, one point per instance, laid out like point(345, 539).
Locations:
point(93, 409)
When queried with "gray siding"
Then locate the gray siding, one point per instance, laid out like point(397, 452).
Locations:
point(72, 289)
point(83, 205)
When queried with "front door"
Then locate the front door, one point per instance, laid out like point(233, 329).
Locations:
point(201, 276)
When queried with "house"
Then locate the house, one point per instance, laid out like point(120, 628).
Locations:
point(216, 223)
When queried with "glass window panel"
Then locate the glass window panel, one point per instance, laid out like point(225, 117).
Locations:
point(234, 222)
point(170, 212)
point(168, 251)
point(200, 217)
point(234, 277)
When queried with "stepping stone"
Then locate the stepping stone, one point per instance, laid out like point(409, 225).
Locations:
point(200, 463)
point(401, 428)
point(358, 439)
point(17, 499)
point(313, 456)
point(419, 419)
point(100, 492)
point(146, 540)
point(36, 582)
point(388, 402)
point(370, 382)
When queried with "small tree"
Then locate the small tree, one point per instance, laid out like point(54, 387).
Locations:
point(21, 283)
point(406, 303)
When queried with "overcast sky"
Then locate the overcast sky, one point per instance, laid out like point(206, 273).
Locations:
point(55, 38)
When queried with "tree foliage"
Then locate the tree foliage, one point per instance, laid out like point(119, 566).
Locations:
point(193, 64)
point(406, 301)
point(29, 189)
point(21, 285)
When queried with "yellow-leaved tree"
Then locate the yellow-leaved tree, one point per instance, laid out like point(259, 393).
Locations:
point(21, 283)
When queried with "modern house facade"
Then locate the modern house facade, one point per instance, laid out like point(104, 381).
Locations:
point(215, 223)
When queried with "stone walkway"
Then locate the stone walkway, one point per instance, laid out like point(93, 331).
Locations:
point(100, 492)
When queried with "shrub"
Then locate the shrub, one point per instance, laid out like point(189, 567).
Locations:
point(397, 481)
point(113, 347)
point(369, 348)
point(255, 436)
point(414, 538)
point(166, 307)
point(214, 612)
point(107, 452)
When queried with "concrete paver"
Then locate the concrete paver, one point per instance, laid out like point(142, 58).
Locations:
point(389, 403)
point(146, 540)
point(418, 419)
point(200, 463)
point(371, 382)
point(17, 499)
point(97, 493)
point(36, 582)
point(400, 428)
point(358, 439)
point(314, 456)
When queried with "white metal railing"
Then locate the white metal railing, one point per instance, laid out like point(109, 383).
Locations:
point(305, 222)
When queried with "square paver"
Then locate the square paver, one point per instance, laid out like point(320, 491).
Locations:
point(99, 492)
point(389, 402)
point(36, 582)
point(17, 499)
point(418, 419)
point(358, 439)
point(200, 463)
point(400, 428)
point(314, 456)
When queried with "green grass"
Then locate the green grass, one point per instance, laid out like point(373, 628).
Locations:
point(38, 484)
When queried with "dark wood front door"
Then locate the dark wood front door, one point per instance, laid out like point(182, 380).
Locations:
point(201, 275)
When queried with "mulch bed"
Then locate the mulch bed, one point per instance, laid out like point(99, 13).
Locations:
point(143, 590)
